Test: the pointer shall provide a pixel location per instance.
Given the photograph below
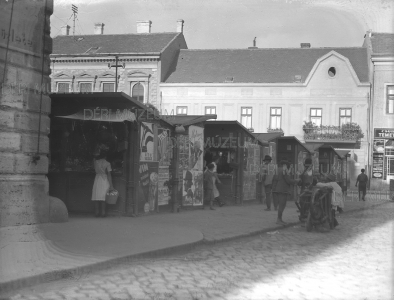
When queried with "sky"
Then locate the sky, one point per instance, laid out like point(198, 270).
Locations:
point(220, 24)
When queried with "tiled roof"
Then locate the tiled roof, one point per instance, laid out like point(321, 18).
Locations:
point(112, 43)
point(280, 65)
point(382, 43)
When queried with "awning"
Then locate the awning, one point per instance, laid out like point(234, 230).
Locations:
point(102, 115)
point(266, 137)
point(188, 120)
point(316, 147)
point(294, 138)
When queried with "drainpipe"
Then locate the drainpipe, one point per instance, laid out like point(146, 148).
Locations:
point(370, 123)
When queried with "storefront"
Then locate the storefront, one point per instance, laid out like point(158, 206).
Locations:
point(382, 159)
point(140, 152)
point(240, 156)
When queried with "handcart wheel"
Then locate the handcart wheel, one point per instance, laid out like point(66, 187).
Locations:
point(308, 223)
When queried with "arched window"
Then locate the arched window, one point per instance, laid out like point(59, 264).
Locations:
point(137, 93)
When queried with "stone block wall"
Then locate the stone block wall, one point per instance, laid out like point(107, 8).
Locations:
point(25, 45)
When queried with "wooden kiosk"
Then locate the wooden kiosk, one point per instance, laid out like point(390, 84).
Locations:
point(139, 152)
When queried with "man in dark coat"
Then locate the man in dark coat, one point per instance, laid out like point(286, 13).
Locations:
point(362, 181)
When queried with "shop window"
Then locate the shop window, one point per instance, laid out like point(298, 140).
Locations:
point(63, 87)
point(316, 116)
point(85, 87)
point(181, 110)
point(210, 110)
point(108, 87)
point(137, 92)
point(345, 116)
point(275, 117)
point(246, 117)
point(390, 99)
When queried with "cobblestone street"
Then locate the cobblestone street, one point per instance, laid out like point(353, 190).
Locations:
point(353, 261)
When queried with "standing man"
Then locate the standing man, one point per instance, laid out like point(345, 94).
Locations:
point(281, 188)
point(208, 185)
point(362, 181)
point(268, 175)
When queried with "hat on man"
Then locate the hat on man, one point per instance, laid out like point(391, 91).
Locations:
point(308, 161)
point(267, 157)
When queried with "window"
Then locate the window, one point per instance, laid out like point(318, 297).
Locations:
point(85, 87)
point(316, 116)
point(332, 72)
point(345, 116)
point(275, 117)
point(246, 117)
point(390, 99)
point(108, 87)
point(181, 110)
point(210, 110)
point(137, 92)
point(63, 87)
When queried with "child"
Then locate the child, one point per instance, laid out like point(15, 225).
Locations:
point(102, 181)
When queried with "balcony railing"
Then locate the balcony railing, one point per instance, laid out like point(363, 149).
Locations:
point(347, 132)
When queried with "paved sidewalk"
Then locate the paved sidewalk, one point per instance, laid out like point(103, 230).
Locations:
point(40, 253)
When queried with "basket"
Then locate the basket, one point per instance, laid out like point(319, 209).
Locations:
point(111, 197)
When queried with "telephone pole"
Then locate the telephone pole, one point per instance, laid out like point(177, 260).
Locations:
point(75, 12)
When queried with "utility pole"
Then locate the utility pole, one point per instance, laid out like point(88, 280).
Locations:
point(75, 12)
point(116, 66)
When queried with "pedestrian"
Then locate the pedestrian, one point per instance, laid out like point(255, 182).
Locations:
point(268, 170)
point(208, 185)
point(103, 180)
point(216, 180)
point(362, 181)
point(281, 188)
point(307, 177)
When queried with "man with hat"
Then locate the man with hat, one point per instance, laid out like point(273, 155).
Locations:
point(281, 187)
point(268, 172)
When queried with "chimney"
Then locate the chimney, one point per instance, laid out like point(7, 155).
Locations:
point(254, 44)
point(179, 25)
point(99, 28)
point(65, 30)
point(305, 45)
point(144, 26)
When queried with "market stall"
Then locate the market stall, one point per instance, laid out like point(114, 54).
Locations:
point(139, 152)
point(240, 156)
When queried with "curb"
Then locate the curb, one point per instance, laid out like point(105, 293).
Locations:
point(78, 272)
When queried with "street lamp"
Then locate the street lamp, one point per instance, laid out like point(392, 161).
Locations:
point(116, 66)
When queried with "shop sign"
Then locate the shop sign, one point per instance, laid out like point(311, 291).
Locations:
point(378, 146)
point(385, 133)
point(377, 165)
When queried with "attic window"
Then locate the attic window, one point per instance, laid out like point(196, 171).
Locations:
point(92, 50)
point(229, 79)
point(332, 72)
point(297, 78)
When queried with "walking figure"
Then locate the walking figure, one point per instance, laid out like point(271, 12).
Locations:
point(362, 181)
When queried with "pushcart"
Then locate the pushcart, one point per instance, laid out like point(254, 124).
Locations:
point(316, 209)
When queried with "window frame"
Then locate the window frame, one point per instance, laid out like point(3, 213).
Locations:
point(316, 116)
point(210, 107)
point(388, 100)
point(63, 82)
point(181, 107)
point(85, 82)
point(133, 84)
point(351, 114)
point(247, 115)
point(107, 82)
point(276, 115)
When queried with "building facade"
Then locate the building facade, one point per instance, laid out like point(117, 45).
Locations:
point(380, 48)
point(309, 93)
point(139, 62)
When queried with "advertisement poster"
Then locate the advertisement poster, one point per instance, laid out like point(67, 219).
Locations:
point(377, 165)
point(196, 138)
point(164, 147)
point(148, 186)
point(147, 142)
point(192, 188)
point(249, 178)
point(184, 143)
point(164, 192)
point(378, 146)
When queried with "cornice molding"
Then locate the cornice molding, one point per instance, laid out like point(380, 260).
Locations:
point(102, 60)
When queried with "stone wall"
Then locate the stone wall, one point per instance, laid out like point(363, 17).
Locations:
point(23, 76)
